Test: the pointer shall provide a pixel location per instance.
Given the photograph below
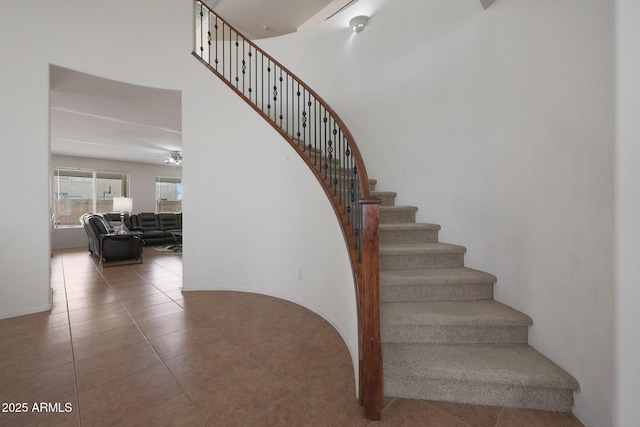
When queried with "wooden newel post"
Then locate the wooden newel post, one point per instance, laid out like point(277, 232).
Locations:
point(371, 391)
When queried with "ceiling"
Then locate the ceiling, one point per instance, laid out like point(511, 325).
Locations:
point(259, 19)
point(100, 118)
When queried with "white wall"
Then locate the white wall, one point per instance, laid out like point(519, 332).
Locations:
point(499, 125)
point(142, 189)
point(628, 211)
point(266, 230)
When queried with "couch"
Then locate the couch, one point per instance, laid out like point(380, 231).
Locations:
point(156, 229)
point(109, 246)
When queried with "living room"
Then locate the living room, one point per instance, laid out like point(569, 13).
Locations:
point(142, 189)
point(98, 126)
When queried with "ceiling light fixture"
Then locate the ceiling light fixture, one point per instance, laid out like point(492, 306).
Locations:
point(358, 23)
point(175, 158)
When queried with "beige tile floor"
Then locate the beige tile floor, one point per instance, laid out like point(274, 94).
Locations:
point(124, 347)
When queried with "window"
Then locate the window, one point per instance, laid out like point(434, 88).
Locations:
point(168, 194)
point(76, 192)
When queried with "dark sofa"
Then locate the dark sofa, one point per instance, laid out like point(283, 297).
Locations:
point(109, 246)
point(156, 228)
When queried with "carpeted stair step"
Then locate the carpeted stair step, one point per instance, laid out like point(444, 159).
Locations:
point(435, 284)
point(421, 255)
point(484, 374)
point(453, 322)
point(388, 197)
point(408, 233)
point(395, 214)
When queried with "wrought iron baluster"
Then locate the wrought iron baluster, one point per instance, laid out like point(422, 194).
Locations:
point(201, 31)
point(250, 55)
point(237, 78)
point(286, 104)
point(315, 129)
point(281, 96)
point(298, 115)
point(324, 146)
point(244, 65)
point(267, 87)
point(217, 43)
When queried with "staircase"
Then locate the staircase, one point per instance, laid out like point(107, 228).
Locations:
point(444, 337)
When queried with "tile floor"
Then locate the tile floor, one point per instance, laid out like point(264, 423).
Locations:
point(124, 347)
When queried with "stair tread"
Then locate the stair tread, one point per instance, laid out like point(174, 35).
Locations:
point(435, 276)
point(452, 313)
point(384, 193)
point(407, 226)
point(408, 248)
point(399, 208)
point(518, 364)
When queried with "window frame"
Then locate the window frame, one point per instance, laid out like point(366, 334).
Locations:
point(92, 202)
point(168, 180)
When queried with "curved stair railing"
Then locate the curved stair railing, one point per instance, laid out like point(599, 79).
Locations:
point(326, 145)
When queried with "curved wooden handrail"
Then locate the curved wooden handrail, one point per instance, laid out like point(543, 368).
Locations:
point(353, 204)
point(364, 179)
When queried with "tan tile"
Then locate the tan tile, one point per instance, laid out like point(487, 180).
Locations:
point(126, 282)
point(127, 293)
point(512, 417)
point(36, 359)
point(330, 387)
point(32, 386)
point(127, 397)
point(474, 415)
point(179, 412)
point(249, 334)
point(58, 294)
point(169, 287)
point(92, 301)
point(155, 311)
point(59, 307)
point(107, 341)
point(175, 295)
point(153, 271)
point(202, 364)
point(95, 371)
point(169, 324)
point(100, 324)
point(31, 323)
point(145, 301)
point(189, 340)
point(297, 362)
point(61, 413)
point(93, 292)
point(293, 411)
point(28, 339)
point(102, 310)
point(82, 283)
point(410, 413)
point(237, 396)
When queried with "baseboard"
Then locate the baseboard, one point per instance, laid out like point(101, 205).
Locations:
point(33, 311)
